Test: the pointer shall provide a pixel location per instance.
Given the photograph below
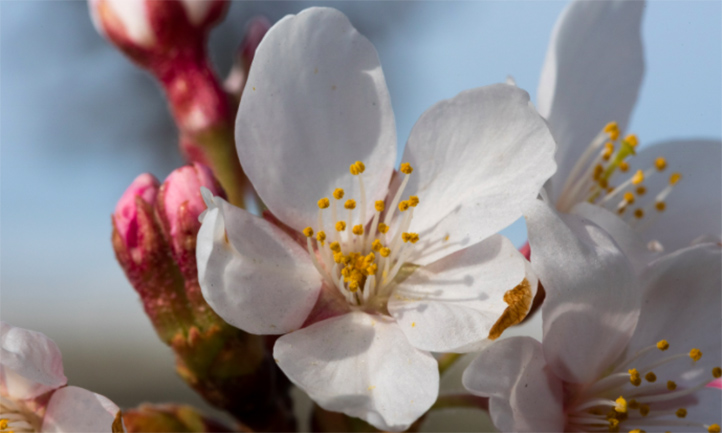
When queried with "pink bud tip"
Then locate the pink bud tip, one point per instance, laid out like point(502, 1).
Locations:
point(717, 383)
point(525, 250)
point(182, 200)
point(144, 186)
point(255, 31)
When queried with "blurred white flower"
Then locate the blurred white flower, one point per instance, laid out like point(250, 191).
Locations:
point(362, 298)
point(619, 353)
point(33, 395)
point(670, 193)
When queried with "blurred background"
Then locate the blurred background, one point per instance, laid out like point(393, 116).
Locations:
point(78, 123)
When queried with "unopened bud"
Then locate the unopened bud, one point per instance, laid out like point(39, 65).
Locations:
point(178, 206)
point(255, 31)
point(151, 31)
point(144, 255)
point(169, 417)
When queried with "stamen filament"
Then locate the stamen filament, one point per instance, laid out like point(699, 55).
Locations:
point(397, 198)
point(596, 402)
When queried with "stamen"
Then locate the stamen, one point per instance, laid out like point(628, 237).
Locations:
point(404, 206)
point(651, 377)
point(308, 232)
point(681, 413)
point(338, 193)
point(350, 204)
point(358, 230)
point(717, 372)
point(324, 203)
point(379, 205)
point(406, 168)
point(634, 377)
point(671, 385)
point(340, 226)
point(714, 428)
point(638, 177)
point(413, 200)
point(660, 163)
point(695, 354)
point(662, 345)
point(383, 228)
point(621, 405)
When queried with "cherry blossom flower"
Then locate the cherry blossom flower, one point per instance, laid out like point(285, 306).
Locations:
point(669, 192)
point(620, 352)
point(366, 270)
point(33, 395)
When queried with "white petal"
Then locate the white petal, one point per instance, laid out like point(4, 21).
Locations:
point(258, 278)
point(591, 76)
point(315, 102)
point(681, 304)
point(363, 366)
point(592, 298)
point(524, 395)
point(75, 410)
point(478, 159)
point(454, 302)
point(196, 10)
point(694, 207)
point(628, 240)
point(30, 365)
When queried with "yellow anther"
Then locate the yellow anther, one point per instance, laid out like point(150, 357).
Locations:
point(613, 424)
point(609, 146)
point(636, 430)
point(632, 140)
point(413, 200)
point(321, 236)
point(633, 404)
point(662, 345)
point(695, 354)
point(607, 154)
point(385, 252)
point(414, 238)
point(383, 228)
point(641, 190)
point(379, 205)
point(671, 385)
point(624, 166)
point(357, 168)
point(660, 163)
point(406, 168)
point(613, 130)
point(324, 203)
point(634, 377)
point(598, 171)
point(358, 230)
point(603, 183)
point(638, 213)
point(308, 231)
point(338, 258)
point(353, 286)
point(644, 409)
point(660, 206)
point(404, 206)
point(338, 193)
point(674, 178)
point(350, 204)
point(3, 423)
point(405, 236)
point(638, 177)
point(335, 247)
point(717, 372)
point(714, 428)
point(651, 377)
point(681, 412)
point(621, 405)
point(371, 269)
point(376, 245)
point(340, 226)
point(629, 197)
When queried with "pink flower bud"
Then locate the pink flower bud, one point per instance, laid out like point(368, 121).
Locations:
point(255, 31)
point(144, 187)
point(147, 30)
point(179, 207)
point(144, 255)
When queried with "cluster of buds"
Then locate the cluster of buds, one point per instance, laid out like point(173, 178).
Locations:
point(154, 236)
point(169, 39)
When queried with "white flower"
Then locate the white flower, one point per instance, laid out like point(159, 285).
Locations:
point(362, 306)
point(33, 395)
point(619, 353)
point(669, 193)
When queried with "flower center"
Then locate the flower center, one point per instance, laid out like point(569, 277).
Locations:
point(361, 259)
point(12, 417)
point(606, 161)
point(643, 399)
